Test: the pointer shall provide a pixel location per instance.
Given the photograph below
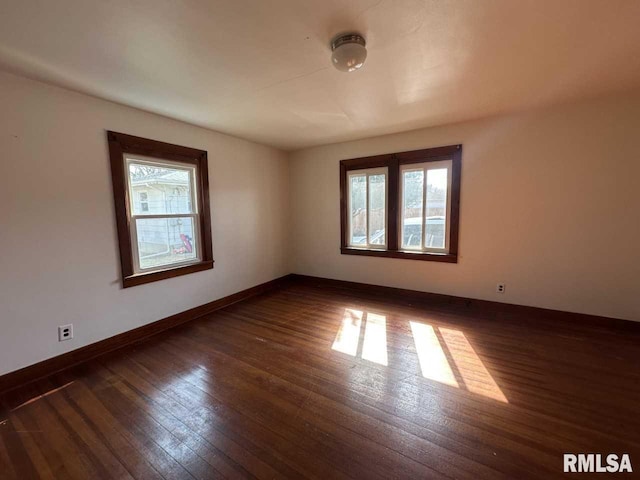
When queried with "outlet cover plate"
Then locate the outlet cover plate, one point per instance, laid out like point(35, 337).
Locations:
point(65, 332)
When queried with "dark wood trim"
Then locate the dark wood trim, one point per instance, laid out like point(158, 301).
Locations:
point(344, 205)
point(425, 256)
point(205, 208)
point(456, 182)
point(121, 202)
point(142, 278)
point(392, 162)
point(45, 368)
point(490, 310)
point(428, 154)
point(393, 205)
point(120, 144)
point(155, 148)
point(375, 161)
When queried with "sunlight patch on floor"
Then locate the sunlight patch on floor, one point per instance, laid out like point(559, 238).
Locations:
point(374, 347)
point(433, 361)
point(349, 333)
point(445, 355)
point(475, 375)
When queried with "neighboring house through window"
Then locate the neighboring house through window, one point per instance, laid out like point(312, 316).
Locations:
point(144, 204)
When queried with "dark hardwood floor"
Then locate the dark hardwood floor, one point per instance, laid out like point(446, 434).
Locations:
point(309, 382)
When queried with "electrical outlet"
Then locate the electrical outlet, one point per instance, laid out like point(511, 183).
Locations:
point(65, 332)
point(500, 287)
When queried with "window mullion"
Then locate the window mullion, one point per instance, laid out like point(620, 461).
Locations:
point(424, 209)
point(348, 213)
point(386, 210)
point(366, 226)
point(134, 244)
point(447, 210)
point(194, 203)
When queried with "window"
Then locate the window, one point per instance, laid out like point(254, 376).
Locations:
point(161, 194)
point(367, 206)
point(144, 204)
point(402, 205)
point(425, 206)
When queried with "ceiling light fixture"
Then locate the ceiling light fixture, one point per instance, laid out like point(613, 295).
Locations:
point(349, 52)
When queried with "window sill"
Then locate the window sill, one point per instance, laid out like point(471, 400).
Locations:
point(142, 278)
point(424, 256)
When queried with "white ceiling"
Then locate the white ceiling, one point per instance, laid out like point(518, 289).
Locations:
point(260, 69)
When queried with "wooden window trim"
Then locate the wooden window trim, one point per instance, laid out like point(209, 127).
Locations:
point(121, 144)
point(393, 161)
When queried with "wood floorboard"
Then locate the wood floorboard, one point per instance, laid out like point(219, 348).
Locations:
point(308, 351)
point(329, 391)
point(169, 399)
point(257, 391)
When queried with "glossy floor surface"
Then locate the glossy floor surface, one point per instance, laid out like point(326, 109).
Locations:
point(309, 382)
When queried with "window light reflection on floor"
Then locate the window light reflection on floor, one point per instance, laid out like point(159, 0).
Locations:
point(374, 343)
point(374, 347)
point(444, 354)
point(349, 333)
point(433, 361)
point(475, 375)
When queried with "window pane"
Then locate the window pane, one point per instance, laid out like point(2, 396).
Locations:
point(358, 199)
point(436, 208)
point(412, 197)
point(165, 241)
point(377, 215)
point(157, 189)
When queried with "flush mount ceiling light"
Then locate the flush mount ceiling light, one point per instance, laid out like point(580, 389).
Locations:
point(349, 52)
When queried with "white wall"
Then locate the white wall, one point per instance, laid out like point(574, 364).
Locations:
point(59, 260)
point(550, 205)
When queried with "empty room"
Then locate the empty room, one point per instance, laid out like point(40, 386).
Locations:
point(324, 239)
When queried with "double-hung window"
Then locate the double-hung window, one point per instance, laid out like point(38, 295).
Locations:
point(162, 208)
point(402, 205)
point(368, 208)
point(164, 231)
point(426, 205)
